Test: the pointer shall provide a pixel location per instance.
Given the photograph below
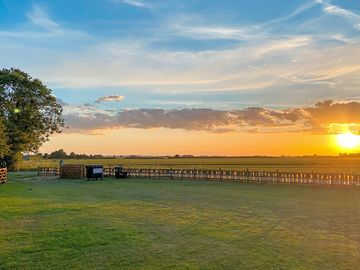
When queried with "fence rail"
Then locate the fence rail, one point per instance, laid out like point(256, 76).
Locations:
point(3, 175)
point(48, 171)
point(226, 175)
point(250, 176)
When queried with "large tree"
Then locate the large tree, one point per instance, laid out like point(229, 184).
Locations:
point(29, 111)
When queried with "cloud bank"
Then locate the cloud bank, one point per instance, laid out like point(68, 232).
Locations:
point(317, 118)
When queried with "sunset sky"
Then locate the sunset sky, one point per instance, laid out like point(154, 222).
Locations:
point(203, 77)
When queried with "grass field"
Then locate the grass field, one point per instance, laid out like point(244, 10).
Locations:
point(285, 164)
point(160, 224)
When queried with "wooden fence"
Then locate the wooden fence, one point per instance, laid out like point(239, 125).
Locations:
point(239, 176)
point(250, 176)
point(3, 175)
point(48, 171)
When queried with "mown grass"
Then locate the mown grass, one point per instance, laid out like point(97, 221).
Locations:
point(284, 164)
point(163, 224)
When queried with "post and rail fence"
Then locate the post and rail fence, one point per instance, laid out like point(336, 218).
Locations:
point(247, 176)
point(250, 176)
point(48, 171)
point(3, 175)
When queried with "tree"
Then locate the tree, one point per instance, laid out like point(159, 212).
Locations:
point(4, 147)
point(29, 111)
point(72, 155)
point(59, 154)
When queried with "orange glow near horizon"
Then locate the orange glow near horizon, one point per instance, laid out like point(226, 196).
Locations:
point(170, 142)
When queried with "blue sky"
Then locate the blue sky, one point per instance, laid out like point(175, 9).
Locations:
point(105, 56)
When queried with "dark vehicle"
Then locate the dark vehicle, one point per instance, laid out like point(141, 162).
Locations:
point(120, 172)
point(94, 172)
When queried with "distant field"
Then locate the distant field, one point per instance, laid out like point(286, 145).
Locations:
point(161, 224)
point(287, 164)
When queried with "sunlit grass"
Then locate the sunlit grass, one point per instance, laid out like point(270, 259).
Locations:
point(152, 224)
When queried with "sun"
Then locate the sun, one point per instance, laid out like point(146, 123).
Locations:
point(348, 140)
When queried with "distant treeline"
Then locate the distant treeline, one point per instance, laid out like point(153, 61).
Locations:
point(61, 154)
point(350, 155)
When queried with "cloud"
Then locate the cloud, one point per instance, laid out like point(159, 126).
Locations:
point(187, 119)
point(191, 26)
point(344, 128)
point(285, 63)
point(276, 54)
point(135, 3)
point(39, 17)
point(306, 119)
point(39, 26)
point(338, 11)
point(218, 32)
point(314, 56)
point(328, 112)
point(109, 98)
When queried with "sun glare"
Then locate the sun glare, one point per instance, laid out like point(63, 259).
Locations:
point(348, 140)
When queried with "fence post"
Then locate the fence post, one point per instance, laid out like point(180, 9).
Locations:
point(353, 180)
point(171, 174)
point(331, 179)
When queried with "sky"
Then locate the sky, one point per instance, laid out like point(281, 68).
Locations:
point(202, 77)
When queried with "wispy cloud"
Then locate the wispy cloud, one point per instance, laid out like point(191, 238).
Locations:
point(218, 32)
point(338, 11)
point(191, 27)
point(41, 25)
point(265, 60)
point(135, 3)
point(40, 18)
point(298, 60)
point(300, 54)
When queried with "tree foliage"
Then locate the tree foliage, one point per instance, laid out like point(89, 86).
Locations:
point(59, 154)
point(4, 147)
point(29, 111)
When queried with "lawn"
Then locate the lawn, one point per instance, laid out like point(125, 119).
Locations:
point(163, 224)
